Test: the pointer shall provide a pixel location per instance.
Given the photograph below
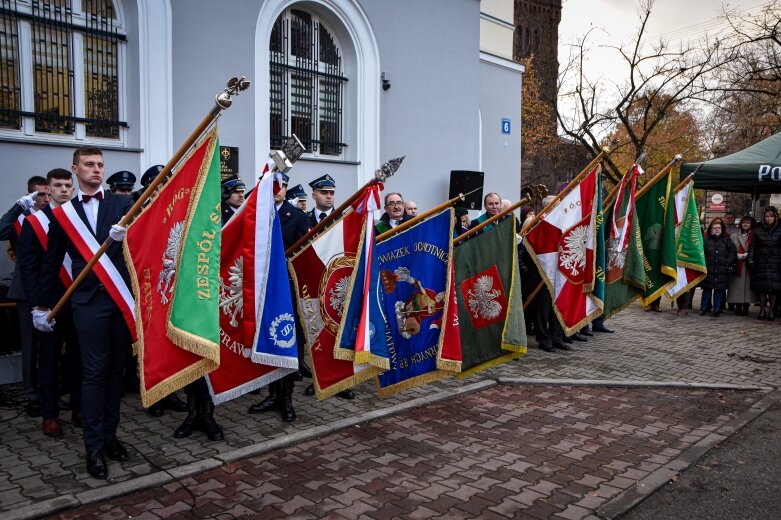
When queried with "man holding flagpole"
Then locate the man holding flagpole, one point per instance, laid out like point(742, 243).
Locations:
point(102, 305)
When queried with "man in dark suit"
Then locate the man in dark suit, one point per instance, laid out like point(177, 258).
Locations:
point(103, 333)
point(294, 225)
point(232, 198)
point(10, 226)
point(30, 250)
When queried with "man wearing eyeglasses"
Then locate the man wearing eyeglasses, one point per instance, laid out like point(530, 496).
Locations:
point(394, 213)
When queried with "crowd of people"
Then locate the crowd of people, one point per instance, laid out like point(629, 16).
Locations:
point(744, 266)
point(55, 228)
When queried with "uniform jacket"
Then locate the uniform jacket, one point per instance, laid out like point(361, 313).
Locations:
point(720, 253)
point(16, 291)
point(312, 219)
point(111, 209)
point(227, 212)
point(29, 260)
point(764, 258)
point(295, 223)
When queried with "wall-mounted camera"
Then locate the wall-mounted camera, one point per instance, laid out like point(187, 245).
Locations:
point(385, 81)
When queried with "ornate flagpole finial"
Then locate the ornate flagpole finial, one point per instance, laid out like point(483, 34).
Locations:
point(290, 152)
point(234, 87)
point(388, 169)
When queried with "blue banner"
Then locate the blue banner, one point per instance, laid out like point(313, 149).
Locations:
point(414, 269)
point(275, 339)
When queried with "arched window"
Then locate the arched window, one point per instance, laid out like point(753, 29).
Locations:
point(306, 84)
point(60, 71)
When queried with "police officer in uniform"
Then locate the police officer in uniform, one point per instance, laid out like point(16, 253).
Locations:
point(323, 189)
point(232, 198)
point(121, 182)
point(297, 197)
point(146, 179)
point(294, 225)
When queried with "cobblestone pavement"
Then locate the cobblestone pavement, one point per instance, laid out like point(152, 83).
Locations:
point(505, 452)
point(646, 347)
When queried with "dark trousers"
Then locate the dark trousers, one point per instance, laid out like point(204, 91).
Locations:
point(105, 340)
point(198, 389)
point(547, 329)
point(30, 345)
point(51, 363)
point(718, 298)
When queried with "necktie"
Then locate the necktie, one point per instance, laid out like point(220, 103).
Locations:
point(86, 198)
point(321, 216)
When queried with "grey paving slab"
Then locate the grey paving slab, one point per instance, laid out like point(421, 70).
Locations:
point(647, 347)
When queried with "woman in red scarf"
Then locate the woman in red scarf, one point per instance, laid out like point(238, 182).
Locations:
point(739, 293)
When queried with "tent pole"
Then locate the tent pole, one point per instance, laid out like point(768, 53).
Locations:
point(754, 200)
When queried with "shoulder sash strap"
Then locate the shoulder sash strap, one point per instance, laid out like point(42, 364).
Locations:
point(40, 225)
point(104, 269)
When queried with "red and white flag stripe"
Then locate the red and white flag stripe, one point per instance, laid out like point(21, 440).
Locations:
point(104, 268)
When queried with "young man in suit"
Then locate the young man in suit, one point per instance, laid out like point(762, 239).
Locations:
point(30, 250)
point(80, 225)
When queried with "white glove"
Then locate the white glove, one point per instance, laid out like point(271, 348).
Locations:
point(41, 320)
point(27, 201)
point(117, 233)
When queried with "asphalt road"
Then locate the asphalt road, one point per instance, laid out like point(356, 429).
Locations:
point(740, 479)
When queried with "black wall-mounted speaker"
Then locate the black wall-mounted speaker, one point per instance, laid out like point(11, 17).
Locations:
point(464, 181)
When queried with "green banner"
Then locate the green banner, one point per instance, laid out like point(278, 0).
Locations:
point(488, 291)
point(656, 215)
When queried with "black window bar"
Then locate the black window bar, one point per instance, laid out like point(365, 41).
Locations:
point(10, 87)
point(101, 69)
point(305, 91)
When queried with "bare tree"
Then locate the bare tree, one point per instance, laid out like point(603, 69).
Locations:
point(662, 79)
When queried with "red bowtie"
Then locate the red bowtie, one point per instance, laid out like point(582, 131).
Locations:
point(86, 198)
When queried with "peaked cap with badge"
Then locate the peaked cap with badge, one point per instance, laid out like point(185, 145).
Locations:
point(121, 179)
point(325, 182)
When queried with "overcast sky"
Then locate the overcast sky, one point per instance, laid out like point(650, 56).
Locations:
point(617, 20)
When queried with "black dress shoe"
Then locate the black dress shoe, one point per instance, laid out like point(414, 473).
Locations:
point(601, 328)
point(115, 450)
point(309, 390)
point(547, 348)
point(566, 340)
point(562, 346)
point(578, 337)
point(287, 412)
point(346, 394)
point(266, 405)
point(96, 465)
point(586, 332)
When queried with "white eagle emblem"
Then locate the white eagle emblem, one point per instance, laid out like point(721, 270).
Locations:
point(615, 257)
point(231, 294)
point(338, 294)
point(481, 299)
point(165, 283)
point(572, 255)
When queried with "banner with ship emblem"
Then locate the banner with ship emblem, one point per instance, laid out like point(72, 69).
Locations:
point(416, 294)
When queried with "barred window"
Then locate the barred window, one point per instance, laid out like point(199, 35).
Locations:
point(68, 83)
point(306, 84)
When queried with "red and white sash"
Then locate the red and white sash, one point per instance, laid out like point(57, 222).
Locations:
point(106, 271)
point(17, 224)
point(40, 224)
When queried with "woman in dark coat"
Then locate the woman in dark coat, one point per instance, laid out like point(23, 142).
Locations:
point(720, 259)
point(764, 259)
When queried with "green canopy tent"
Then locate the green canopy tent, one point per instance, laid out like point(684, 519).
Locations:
point(755, 170)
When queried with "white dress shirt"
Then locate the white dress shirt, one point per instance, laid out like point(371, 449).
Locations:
point(91, 208)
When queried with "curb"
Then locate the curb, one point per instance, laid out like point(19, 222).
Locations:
point(628, 383)
point(64, 502)
point(645, 487)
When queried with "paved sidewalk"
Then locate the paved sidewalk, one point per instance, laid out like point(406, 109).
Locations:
point(646, 347)
point(504, 452)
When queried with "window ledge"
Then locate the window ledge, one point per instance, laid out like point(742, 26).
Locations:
point(103, 145)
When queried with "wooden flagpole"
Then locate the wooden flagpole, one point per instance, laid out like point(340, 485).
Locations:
point(491, 220)
point(655, 178)
point(411, 222)
point(222, 102)
point(387, 169)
